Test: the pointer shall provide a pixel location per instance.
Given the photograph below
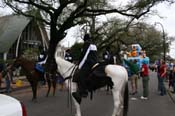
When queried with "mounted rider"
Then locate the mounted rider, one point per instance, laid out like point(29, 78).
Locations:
point(68, 56)
point(107, 56)
point(41, 61)
point(40, 64)
point(88, 59)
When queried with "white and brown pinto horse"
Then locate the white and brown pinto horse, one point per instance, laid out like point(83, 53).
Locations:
point(119, 78)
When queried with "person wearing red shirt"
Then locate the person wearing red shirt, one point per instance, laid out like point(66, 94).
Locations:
point(145, 79)
point(162, 71)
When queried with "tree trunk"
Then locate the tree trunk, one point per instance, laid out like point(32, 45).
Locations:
point(55, 37)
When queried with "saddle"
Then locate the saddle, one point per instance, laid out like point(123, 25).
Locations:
point(96, 79)
point(39, 68)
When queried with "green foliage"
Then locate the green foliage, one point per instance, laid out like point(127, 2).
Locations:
point(61, 15)
point(31, 53)
point(116, 34)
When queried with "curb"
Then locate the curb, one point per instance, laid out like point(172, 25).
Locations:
point(171, 96)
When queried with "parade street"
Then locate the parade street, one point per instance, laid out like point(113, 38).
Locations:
point(101, 105)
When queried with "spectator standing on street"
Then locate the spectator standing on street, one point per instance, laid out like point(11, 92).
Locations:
point(173, 80)
point(158, 73)
point(11, 75)
point(171, 75)
point(7, 78)
point(145, 79)
point(134, 70)
point(163, 71)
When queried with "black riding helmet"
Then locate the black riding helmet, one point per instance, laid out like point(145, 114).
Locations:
point(87, 37)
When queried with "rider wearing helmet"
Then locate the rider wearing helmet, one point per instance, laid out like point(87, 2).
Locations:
point(88, 59)
point(107, 56)
point(68, 56)
point(39, 65)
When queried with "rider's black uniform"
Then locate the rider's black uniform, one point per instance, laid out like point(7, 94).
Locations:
point(88, 59)
point(68, 56)
point(107, 56)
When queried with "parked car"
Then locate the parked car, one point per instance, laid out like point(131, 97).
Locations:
point(10, 106)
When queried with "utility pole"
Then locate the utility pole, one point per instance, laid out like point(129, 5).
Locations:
point(164, 42)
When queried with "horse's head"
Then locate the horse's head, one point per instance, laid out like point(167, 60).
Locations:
point(18, 61)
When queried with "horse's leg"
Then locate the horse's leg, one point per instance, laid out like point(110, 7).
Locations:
point(34, 89)
point(126, 100)
point(49, 87)
point(77, 105)
point(32, 85)
point(49, 84)
point(118, 98)
point(54, 84)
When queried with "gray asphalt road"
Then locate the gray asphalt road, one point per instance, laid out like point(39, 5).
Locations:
point(101, 105)
point(156, 105)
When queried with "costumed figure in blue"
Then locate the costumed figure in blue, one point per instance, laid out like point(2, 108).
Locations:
point(39, 65)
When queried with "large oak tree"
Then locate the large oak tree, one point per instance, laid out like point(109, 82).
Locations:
point(60, 15)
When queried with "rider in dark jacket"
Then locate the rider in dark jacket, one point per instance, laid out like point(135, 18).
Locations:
point(42, 57)
point(39, 65)
point(107, 56)
point(88, 59)
point(68, 56)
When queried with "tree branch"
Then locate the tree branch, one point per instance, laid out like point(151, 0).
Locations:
point(27, 15)
point(30, 2)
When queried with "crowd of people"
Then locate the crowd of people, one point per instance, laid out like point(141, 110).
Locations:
point(165, 72)
point(135, 73)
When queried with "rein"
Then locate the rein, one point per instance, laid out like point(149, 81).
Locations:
point(70, 86)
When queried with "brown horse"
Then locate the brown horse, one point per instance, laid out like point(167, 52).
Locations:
point(34, 76)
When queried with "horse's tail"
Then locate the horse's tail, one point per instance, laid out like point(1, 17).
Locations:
point(126, 100)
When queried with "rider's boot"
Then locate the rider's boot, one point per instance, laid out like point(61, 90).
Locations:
point(77, 96)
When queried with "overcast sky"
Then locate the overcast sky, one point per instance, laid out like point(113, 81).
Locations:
point(164, 10)
point(168, 22)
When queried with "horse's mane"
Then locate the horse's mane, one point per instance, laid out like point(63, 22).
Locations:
point(64, 67)
point(60, 60)
point(27, 62)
